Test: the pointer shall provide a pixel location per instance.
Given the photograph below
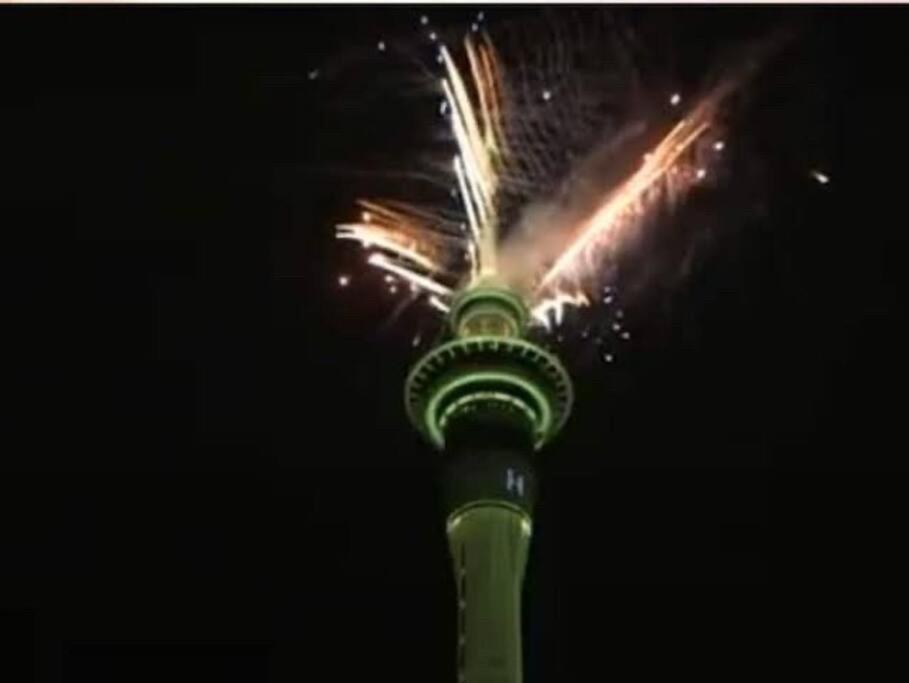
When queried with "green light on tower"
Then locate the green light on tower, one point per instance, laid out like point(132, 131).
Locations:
point(489, 398)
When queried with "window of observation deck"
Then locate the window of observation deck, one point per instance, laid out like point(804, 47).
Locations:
point(488, 324)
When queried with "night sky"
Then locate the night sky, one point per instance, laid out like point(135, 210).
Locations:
point(207, 472)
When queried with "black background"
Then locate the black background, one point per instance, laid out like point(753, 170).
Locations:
point(207, 474)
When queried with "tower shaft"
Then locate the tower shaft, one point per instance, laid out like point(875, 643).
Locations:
point(490, 487)
point(489, 545)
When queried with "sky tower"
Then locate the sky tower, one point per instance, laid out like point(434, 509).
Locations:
point(488, 399)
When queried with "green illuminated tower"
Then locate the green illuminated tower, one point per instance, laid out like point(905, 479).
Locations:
point(489, 398)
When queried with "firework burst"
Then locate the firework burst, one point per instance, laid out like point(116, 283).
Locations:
point(548, 195)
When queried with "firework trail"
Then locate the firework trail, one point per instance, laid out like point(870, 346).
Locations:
point(541, 223)
point(666, 169)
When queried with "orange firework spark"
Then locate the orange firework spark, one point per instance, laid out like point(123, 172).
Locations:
point(400, 232)
point(634, 197)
